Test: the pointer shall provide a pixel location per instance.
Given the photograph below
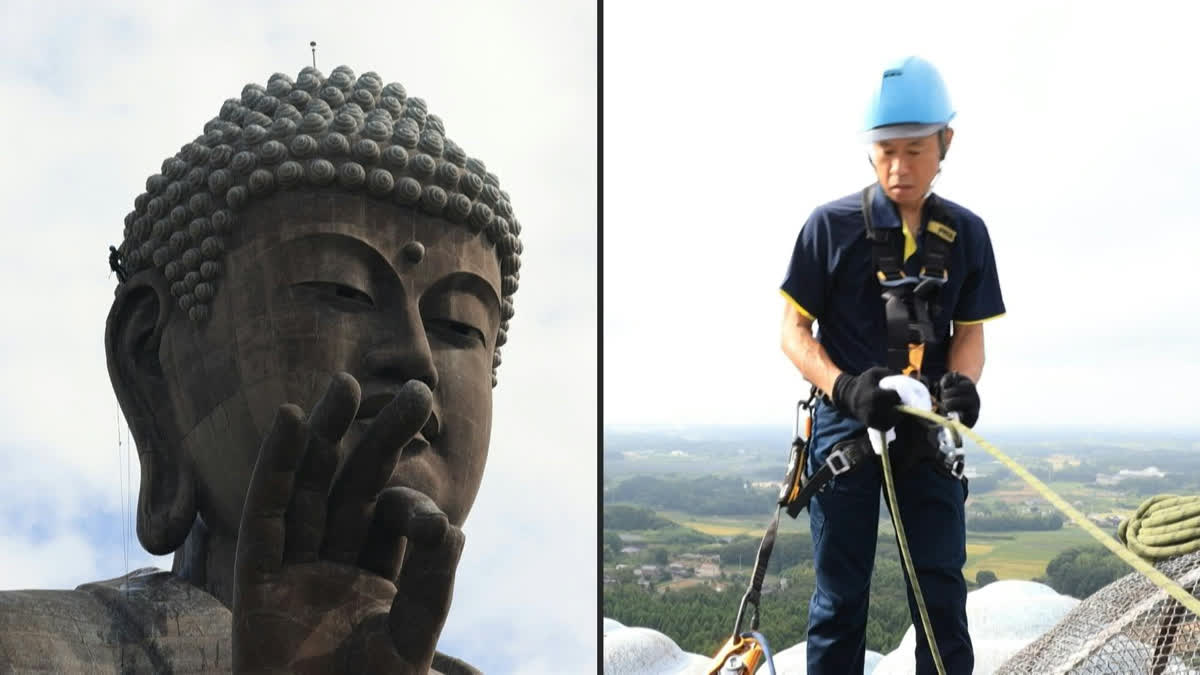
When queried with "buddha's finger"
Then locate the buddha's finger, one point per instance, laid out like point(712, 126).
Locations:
point(328, 422)
point(401, 514)
point(368, 469)
point(424, 590)
point(261, 534)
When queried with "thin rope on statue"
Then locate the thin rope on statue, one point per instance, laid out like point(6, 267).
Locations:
point(121, 495)
point(128, 498)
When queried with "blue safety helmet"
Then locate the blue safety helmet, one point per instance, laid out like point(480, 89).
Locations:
point(910, 101)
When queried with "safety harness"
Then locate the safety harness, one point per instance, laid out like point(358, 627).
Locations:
point(910, 304)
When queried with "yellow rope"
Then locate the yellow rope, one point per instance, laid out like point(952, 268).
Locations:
point(908, 563)
point(1157, 578)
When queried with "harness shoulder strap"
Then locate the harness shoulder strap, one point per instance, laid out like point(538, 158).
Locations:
point(937, 242)
point(887, 249)
point(887, 252)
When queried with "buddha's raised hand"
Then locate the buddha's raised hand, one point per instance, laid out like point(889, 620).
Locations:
point(342, 576)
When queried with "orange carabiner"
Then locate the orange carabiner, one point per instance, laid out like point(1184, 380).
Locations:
point(740, 654)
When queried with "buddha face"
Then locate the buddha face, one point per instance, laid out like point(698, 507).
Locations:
point(317, 283)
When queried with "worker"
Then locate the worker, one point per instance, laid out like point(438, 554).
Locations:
point(897, 280)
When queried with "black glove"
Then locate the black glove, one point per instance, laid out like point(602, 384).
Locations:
point(861, 398)
point(957, 393)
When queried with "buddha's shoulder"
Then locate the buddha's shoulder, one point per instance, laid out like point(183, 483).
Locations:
point(147, 621)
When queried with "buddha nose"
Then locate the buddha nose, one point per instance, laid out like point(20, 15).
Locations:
point(405, 356)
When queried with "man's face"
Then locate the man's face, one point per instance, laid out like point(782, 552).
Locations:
point(315, 284)
point(906, 167)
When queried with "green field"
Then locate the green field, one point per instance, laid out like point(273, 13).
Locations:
point(729, 526)
point(1019, 555)
point(1011, 555)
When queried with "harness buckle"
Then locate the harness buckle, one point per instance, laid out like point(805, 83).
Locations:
point(899, 281)
point(839, 456)
point(938, 278)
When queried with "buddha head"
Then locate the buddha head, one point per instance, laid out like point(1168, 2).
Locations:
point(320, 225)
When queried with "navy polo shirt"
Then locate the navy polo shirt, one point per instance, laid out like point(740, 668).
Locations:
point(831, 279)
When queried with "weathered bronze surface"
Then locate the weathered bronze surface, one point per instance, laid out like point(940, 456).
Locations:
point(322, 246)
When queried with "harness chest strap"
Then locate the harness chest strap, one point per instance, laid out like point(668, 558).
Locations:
point(910, 303)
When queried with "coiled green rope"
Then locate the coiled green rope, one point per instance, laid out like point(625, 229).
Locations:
point(1164, 526)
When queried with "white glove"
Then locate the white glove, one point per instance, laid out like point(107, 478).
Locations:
point(913, 393)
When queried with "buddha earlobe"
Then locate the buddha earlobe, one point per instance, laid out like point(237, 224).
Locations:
point(166, 501)
point(166, 498)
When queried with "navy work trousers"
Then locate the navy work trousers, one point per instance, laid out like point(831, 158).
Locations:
point(845, 521)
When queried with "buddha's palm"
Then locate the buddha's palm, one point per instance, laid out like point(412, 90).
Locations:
point(323, 583)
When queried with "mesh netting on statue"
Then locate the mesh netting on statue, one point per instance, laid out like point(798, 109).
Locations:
point(1130, 626)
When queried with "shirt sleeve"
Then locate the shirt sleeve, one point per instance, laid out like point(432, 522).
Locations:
point(807, 277)
point(980, 298)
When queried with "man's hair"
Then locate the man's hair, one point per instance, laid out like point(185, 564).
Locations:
point(355, 135)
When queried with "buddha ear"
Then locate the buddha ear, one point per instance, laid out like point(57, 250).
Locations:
point(132, 337)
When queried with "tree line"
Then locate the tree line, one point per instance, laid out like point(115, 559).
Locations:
point(1007, 522)
point(706, 495)
point(1082, 570)
point(624, 517)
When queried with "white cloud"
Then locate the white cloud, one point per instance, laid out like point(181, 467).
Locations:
point(97, 96)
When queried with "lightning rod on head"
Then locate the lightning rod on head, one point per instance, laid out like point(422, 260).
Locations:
point(313, 44)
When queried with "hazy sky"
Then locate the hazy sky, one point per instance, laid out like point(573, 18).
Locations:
point(1076, 143)
point(97, 94)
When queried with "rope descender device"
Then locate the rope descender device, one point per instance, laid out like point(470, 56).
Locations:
point(742, 655)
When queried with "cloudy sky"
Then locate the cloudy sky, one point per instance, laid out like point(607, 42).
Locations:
point(97, 94)
point(1076, 143)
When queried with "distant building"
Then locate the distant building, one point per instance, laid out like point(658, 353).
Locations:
point(630, 549)
point(1148, 472)
point(1104, 520)
point(1116, 478)
point(708, 570)
point(696, 558)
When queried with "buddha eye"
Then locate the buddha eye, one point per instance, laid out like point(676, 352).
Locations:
point(332, 289)
point(459, 333)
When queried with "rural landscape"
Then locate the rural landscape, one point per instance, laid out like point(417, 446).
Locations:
point(684, 509)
